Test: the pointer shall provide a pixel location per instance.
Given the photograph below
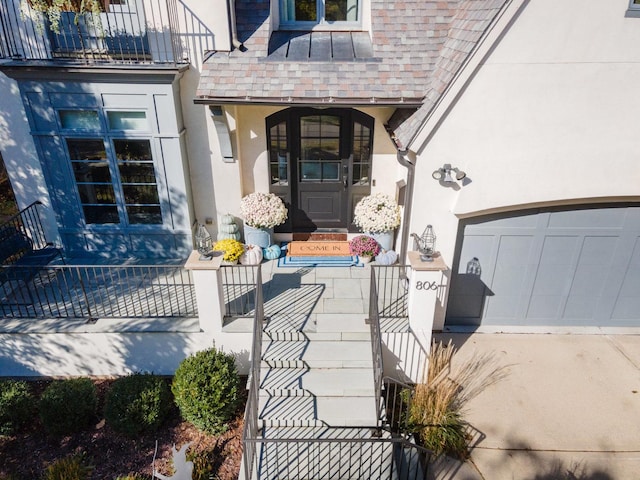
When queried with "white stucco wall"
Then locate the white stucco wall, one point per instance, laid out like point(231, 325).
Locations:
point(549, 118)
point(18, 149)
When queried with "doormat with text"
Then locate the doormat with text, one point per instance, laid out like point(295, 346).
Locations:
point(318, 249)
point(321, 257)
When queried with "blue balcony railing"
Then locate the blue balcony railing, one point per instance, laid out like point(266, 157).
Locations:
point(129, 31)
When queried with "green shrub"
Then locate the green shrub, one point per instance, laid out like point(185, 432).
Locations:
point(132, 476)
point(68, 406)
point(74, 467)
point(17, 406)
point(206, 389)
point(137, 403)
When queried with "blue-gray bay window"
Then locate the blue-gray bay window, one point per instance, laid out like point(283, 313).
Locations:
point(115, 177)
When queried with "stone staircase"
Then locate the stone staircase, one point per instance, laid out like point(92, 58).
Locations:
point(317, 387)
point(319, 374)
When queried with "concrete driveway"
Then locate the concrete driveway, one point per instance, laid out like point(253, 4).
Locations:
point(555, 407)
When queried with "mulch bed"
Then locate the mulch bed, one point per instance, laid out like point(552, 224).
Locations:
point(27, 454)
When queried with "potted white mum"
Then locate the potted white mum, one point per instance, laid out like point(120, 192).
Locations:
point(378, 216)
point(261, 212)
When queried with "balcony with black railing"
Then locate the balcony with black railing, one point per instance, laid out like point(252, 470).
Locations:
point(121, 32)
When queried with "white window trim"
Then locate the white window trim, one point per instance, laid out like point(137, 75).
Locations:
point(323, 25)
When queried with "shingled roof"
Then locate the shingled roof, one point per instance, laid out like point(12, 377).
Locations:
point(417, 47)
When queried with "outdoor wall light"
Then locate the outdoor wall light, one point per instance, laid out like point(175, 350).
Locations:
point(445, 174)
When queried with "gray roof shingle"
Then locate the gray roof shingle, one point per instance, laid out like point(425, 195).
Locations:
point(417, 48)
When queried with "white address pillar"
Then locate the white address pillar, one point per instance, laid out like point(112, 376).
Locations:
point(427, 298)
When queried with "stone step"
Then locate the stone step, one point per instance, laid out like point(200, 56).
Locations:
point(296, 336)
point(325, 354)
point(318, 323)
point(272, 432)
point(318, 381)
point(310, 411)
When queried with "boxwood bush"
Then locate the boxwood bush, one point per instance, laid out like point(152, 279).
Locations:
point(68, 406)
point(206, 389)
point(17, 406)
point(137, 403)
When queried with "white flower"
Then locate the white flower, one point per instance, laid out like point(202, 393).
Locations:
point(263, 210)
point(377, 213)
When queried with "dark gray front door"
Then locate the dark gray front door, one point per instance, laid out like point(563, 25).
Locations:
point(322, 173)
point(552, 267)
point(320, 165)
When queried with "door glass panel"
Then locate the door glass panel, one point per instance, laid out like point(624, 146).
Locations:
point(310, 171)
point(331, 171)
point(361, 154)
point(278, 158)
point(320, 137)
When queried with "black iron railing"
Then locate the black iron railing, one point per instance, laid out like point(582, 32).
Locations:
point(136, 31)
point(96, 291)
point(251, 417)
point(239, 290)
point(22, 232)
point(337, 458)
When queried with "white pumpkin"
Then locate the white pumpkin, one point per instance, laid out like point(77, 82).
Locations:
point(388, 257)
point(251, 256)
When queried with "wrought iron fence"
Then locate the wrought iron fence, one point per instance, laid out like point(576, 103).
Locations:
point(338, 458)
point(96, 291)
point(239, 290)
point(251, 425)
point(391, 290)
point(136, 31)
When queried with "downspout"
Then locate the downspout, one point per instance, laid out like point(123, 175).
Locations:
point(408, 199)
point(234, 28)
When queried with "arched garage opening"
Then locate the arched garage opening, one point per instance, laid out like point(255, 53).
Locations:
point(566, 267)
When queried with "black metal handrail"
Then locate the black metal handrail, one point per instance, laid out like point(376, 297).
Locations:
point(26, 222)
point(96, 291)
point(336, 458)
point(251, 416)
point(376, 343)
point(138, 31)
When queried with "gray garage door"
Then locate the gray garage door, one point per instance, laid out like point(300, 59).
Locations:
point(577, 267)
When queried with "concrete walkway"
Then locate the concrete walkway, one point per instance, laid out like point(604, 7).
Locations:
point(556, 407)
